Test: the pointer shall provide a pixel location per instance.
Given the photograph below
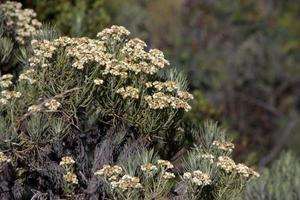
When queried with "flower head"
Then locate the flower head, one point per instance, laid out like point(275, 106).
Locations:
point(148, 167)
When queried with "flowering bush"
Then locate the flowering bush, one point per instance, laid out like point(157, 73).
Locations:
point(95, 119)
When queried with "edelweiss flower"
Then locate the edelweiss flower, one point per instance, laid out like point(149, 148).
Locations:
point(98, 81)
point(52, 105)
point(67, 160)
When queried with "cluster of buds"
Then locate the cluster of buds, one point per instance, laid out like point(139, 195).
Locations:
point(229, 166)
point(225, 146)
point(197, 177)
point(5, 80)
point(20, 21)
point(128, 91)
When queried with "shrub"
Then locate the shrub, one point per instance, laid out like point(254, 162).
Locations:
point(95, 119)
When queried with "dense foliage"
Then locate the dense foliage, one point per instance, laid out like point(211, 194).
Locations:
point(281, 181)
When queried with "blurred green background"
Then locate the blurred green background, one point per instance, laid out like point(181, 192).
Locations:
point(242, 58)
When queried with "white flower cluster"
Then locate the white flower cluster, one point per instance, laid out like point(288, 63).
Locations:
point(140, 60)
point(229, 166)
point(70, 177)
point(170, 86)
point(20, 21)
point(128, 58)
point(117, 33)
point(226, 163)
point(67, 160)
point(6, 95)
point(34, 108)
point(27, 75)
point(225, 146)
point(184, 95)
point(127, 182)
point(165, 164)
point(208, 156)
point(116, 68)
point(197, 177)
point(160, 100)
point(168, 175)
point(115, 177)
point(5, 80)
point(81, 50)
point(128, 91)
point(148, 167)
point(52, 105)
point(134, 49)
point(109, 171)
point(3, 158)
point(112, 174)
point(98, 81)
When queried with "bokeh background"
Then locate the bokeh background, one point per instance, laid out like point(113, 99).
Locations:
point(242, 58)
